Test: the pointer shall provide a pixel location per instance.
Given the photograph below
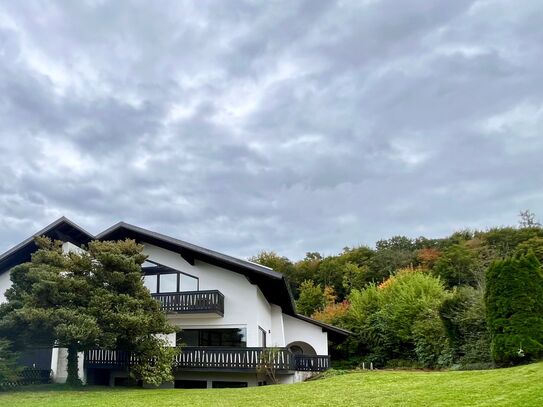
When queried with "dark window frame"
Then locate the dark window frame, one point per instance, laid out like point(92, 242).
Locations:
point(168, 270)
point(204, 336)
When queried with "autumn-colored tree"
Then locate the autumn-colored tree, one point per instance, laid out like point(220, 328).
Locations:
point(333, 313)
point(427, 256)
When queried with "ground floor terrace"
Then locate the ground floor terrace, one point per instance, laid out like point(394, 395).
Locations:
point(211, 367)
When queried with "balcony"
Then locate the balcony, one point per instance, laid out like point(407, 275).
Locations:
point(217, 359)
point(192, 302)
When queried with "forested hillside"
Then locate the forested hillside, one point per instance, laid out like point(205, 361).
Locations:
point(426, 302)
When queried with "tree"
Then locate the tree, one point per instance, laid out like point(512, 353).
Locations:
point(80, 301)
point(534, 245)
point(278, 263)
point(399, 319)
point(273, 260)
point(333, 313)
point(464, 317)
point(354, 276)
point(459, 265)
point(528, 220)
point(311, 298)
point(514, 302)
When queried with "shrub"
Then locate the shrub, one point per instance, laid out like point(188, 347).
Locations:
point(399, 320)
point(8, 362)
point(514, 301)
point(464, 318)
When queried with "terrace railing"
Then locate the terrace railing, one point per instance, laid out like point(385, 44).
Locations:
point(217, 358)
point(310, 363)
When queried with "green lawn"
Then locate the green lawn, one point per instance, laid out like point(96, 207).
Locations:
point(519, 386)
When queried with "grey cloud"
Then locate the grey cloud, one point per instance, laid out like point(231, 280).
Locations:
point(291, 126)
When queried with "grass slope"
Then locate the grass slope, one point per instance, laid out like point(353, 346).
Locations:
point(519, 386)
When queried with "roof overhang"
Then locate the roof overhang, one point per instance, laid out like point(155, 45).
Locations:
point(335, 334)
point(61, 229)
point(273, 284)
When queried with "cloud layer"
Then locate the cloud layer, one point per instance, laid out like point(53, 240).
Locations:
point(290, 126)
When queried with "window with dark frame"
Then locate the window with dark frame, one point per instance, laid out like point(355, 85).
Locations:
point(160, 279)
point(228, 337)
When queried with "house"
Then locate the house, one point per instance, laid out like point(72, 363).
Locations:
point(230, 310)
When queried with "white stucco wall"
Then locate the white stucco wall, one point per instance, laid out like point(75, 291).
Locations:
point(277, 328)
point(263, 317)
point(244, 306)
point(70, 247)
point(5, 283)
point(240, 297)
point(298, 330)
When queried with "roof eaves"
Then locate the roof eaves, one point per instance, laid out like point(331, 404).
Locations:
point(190, 246)
point(329, 327)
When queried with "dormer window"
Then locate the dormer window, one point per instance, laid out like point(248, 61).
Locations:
point(162, 279)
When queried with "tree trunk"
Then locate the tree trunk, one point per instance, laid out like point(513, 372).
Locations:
point(73, 368)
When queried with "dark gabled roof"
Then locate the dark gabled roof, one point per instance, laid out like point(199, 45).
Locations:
point(61, 229)
point(273, 284)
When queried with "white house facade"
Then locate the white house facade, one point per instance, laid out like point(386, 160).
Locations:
point(229, 311)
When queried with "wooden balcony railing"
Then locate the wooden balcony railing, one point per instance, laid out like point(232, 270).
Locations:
point(219, 358)
point(211, 301)
point(310, 363)
point(216, 358)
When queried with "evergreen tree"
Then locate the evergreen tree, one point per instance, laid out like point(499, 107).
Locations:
point(80, 301)
point(514, 302)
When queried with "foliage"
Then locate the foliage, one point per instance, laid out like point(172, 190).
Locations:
point(458, 265)
point(528, 219)
point(534, 245)
point(399, 318)
point(267, 365)
point(81, 300)
point(427, 257)
point(313, 297)
point(8, 362)
point(514, 301)
point(278, 263)
point(464, 317)
point(504, 241)
point(154, 361)
point(354, 276)
point(333, 313)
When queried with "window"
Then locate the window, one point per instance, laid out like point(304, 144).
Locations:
point(150, 282)
point(190, 384)
point(162, 279)
point(297, 350)
point(187, 283)
point(168, 283)
point(228, 337)
point(226, 385)
point(261, 337)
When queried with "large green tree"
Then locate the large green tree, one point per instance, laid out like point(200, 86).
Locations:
point(85, 299)
point(514, 302)
point(459, 265)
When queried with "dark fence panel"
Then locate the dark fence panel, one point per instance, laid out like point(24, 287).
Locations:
point(28, 376)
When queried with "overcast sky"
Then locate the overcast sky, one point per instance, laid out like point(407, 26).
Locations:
point(289, 126)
